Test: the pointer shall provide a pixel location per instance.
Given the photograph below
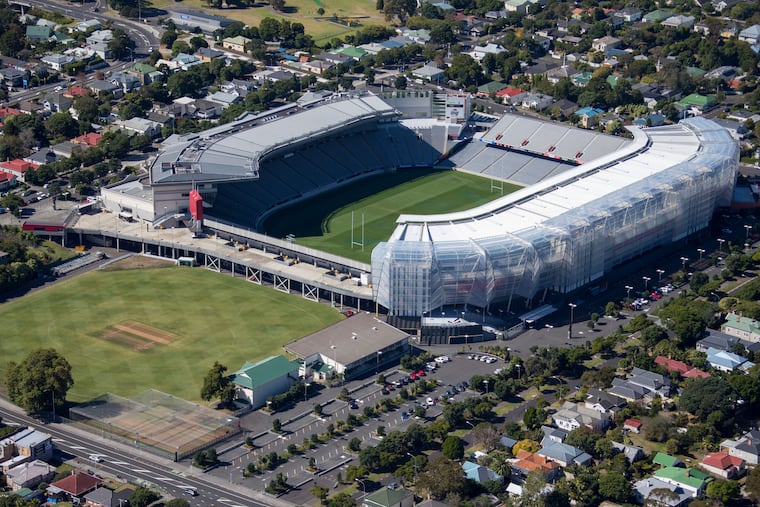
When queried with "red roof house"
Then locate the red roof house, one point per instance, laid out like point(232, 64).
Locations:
point(633, 425)
point(8, 111)
point(77, 91)
point(75, 485)
point(508, 94)
point(683, 369)
point(90, 139)
point(7, 180)
point(18, 167)
point(724, 465)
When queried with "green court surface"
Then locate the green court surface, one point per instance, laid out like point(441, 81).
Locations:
point(325, 222)
point(128, 331)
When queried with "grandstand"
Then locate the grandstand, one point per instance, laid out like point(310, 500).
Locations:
point(567, 230)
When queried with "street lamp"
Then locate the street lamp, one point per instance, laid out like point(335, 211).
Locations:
point(305, 390)
point(720, 244)
point(747, 228)
point(364, 488)
point(559, 379)
point(628, 290)
point(684, 260)
point(700, 251)
point(518, 366)
point(485, 383)
point(414, 463)
point(660, 272)
point(570, 327)
point(646, 282)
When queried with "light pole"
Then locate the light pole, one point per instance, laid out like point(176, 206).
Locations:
point(628, 290)
point(377, 365)
point(559, 379)
point(646, 282)
point(700, 251)
point(364, 488)
point(485, 383)
point(720, 244)
point(747, 228)
point(305, 390)
point(414, 464)
point(684, 260)
point(660, 272)
point(570, 327)
point(517, 365)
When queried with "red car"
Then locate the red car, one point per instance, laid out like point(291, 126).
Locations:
point(413, 376)
point(421, 373)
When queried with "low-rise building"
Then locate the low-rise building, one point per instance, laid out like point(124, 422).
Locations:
point(723, 465)
point(29, 474)
point(572, 416)
point(691, 480)
point(18, 168)
point(746, 448)
point(661, 493)
point(256, 382)
point(741, 327)
point(528, 462)
point(563, 454)
point(723, 360)
point(389, 497)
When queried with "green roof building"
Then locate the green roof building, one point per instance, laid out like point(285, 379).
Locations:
point(690, 479)
point(352, 51)
point(489, 88)
point(255, 382)
point(666, 460)
point(657, 16)
point(697, 101)
point(34, 32)
point(389, 497)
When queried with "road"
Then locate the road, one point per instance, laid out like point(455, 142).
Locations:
point(138, 467)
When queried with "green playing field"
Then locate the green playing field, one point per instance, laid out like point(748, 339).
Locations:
point(325, 222)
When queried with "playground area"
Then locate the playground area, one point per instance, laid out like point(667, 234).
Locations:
point(157, 421)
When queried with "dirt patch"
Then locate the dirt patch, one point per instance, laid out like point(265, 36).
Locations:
point(139, 262)
point(137, 336)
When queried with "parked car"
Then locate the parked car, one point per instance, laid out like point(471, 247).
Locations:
point(96, 458)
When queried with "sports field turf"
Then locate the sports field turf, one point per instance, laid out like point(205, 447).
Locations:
point(324, 223)
point(296, 11)
point(163, 328)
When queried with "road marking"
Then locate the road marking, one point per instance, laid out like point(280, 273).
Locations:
point(59, 440)
point(120, 463)
point(142, 470)
point(78, 447)
point(227, 500)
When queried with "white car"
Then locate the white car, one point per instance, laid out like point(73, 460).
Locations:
point(59, 88)
point(96, 458)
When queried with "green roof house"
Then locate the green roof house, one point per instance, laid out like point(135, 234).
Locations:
point(741, 327)
point(352, 51)
point(34, 32)
point(255, 382)
point(389, 497)
point(697, 101)
point(666, 460)
point(657, 16)
point(689, 479)
point(489, 88)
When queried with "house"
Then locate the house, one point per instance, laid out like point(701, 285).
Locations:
point(528, 462)
point(146, 73)
point(419, 36)
point(104, 497)
point(255, 382)
point(99, 86)
point(139, 126)
point(657, 16)
point(691, 480)
point(206, 109)
point(90, 139)
point(479, 52)
point(18, 167)
point(72, 488)
point(539, 69)
point(224, 98)
point(492, 87)
point(236, 43)
point(589, 116)
point(604, 402)
point(750, 35)
point(572, 416)
point(723, 465)
point(29, 475)
point(723, 360)
point(741, 327)
point(507, 442)
point(641, 384)
point(184, 61)
point(125, 80)
point(87, 25)
point(38, 33)
point(537, 101)
point(7, 180)
point(352, 52)
point(479, 473)
point(657, 492)
point(206, 55)
point(632, 425)
point(581, 79)
point(13, 77)
point(683, 369)
point(518, 6)
point(389, 497)
point(510, 95)
point(195, 19)
point(666, 460)
point(562, 72)
point(629, 14)
point(679, 21)
point(746, 448)
point(430, 72)
point(697, 103)
point(563, 454)
point(632, 453)
point(98, 42)
point(650, 120)
point(604, 44)
point(56, 61)
point(554, 434)
point(722, 341)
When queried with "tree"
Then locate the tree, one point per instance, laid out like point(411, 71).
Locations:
point(276, 426)
point(614, 487)
point(177, 502)
point(453, 447)
point(723, 491)
point(42, 378)
point(62, 126)
point(142, 497)
point(752, 484)
point(278, 5)
point(534, 417)
point(486, 435)
point(400, 9)
point(441, 478)
point(699, 280)
point(320, 493)
point(703, 396)
point(217, 384)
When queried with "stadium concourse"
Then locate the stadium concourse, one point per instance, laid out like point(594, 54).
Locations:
point(592, 201)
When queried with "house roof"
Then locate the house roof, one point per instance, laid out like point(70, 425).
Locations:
point(749, 443)
point(18, 165)
point(387, 497)
point(492, 87)
point(77, 484)
point(479, 473)
point(562, 452)
point(722, 460)
point(728, 360)
point(35, 32)
point(529, 462)
point(633, 423)
point(509, 92)
point(252, 375)
point(239, 39)
point(28, 471)
point(687, 476)
point(645, 487)
point(590, 112)
point(666, 460)
point(672, 364)
point(89, 139)
point(736, 321)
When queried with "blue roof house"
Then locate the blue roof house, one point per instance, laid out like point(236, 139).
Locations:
point(479, 473)
point(723, 360)
point(563, 454)
point(589, 116)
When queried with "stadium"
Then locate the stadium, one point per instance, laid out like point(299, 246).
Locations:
point(590, 202)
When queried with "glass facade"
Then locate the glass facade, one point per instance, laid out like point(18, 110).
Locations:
point(570, 249)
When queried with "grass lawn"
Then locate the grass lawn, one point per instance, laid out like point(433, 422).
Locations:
point(324, 223)
point(297, 11)
point(212, 317)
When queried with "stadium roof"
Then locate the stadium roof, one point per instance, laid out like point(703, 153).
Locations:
point(234, 151)
point(656, 150)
